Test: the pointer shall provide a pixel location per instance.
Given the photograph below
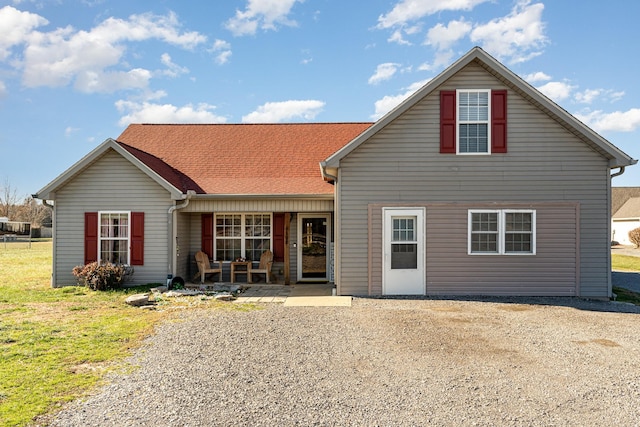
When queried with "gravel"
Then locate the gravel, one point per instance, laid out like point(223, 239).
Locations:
point(390, 362)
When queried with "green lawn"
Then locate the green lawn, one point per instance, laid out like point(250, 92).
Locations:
point(625, 262)
point(56, 344)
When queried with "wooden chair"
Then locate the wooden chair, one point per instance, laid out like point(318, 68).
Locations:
point(266, 261)
point(204, 267)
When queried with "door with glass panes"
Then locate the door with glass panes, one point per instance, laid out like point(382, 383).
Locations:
point(403, 252)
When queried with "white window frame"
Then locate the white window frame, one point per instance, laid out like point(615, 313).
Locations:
point(502, 232)
point(243, 229)
point(459, 122)
point(126, 239)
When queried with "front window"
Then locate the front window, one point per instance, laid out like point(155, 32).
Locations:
point(473, 121)
point(114, 237)
point(506, 231)
point(242, 235)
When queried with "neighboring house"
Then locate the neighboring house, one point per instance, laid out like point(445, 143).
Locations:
point(624, 220)
point(476, 184)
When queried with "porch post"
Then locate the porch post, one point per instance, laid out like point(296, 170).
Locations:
point(287, 263)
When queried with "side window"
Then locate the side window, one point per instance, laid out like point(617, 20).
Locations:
point(473, 121)
point(502, 232)
point(113, 237)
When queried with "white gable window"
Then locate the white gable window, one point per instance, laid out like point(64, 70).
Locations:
point(502, 232)
point(473, 116)
point(114, 237)
point(242, 235)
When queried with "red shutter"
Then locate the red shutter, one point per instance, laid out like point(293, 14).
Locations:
point(448, 121)
point(137, 238)
point(278, 237)
point(498, 121)
point(207, 235)
point(90, 237)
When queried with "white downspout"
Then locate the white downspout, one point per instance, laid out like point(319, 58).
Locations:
point(172, 232)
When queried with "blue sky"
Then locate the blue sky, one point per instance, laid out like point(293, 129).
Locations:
point(73, 73)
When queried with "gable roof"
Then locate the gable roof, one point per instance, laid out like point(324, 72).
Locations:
point(240, 159)
point(631, 209)
point(48, 191)
point(620, 195)
point(617, 158)
point(221, 159)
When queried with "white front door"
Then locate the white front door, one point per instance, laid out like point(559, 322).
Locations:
point(403, 252)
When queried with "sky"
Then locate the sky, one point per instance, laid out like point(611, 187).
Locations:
point(76, 72)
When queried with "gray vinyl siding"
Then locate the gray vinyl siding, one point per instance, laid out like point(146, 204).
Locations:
point(109, 184)
point(401, 165)
point(450, 270)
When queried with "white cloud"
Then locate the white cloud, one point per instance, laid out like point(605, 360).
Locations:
point(224, 49)
point(173, 69)
point(261, 14)
point(557, 91)
point(441, 59)
point(275, 112)
point(620, 121)
point(64, 55)
point(15, 28)
point(70, 131)
point(443, 37)
point(397, 37)
point(518, 36)
point(588, 96)
point(537, 77)
point(410, 10)
point(383, 72)
point(147, 112)
point(389, 102)
point(3, 89)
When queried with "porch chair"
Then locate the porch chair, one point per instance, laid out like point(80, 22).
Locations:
point(266, 261)
point(204, 266)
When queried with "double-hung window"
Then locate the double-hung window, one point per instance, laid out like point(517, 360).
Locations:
point(113, 237)
point(242, 235)
point(473, 118)
point(502, 231)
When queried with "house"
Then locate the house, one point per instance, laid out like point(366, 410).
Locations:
point(625, 206)
point(476, 184)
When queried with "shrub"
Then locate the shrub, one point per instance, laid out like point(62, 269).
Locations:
point(634, 236)
point(101, 276)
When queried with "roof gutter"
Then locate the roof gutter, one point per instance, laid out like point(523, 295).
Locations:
point(172, 235)
point(332, 179)
point(620, 172)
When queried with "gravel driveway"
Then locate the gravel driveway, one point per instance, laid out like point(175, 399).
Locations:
point(523, 362)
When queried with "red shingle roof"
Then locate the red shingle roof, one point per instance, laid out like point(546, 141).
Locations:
point(240, 158)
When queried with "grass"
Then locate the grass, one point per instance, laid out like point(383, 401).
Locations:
point(625, 262)
point(57, 344)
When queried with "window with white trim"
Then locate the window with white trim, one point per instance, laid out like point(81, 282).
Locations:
point(473, 116)
point(113, 238)
point(242, 236)
point(502, 231)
